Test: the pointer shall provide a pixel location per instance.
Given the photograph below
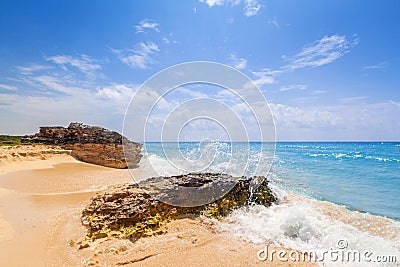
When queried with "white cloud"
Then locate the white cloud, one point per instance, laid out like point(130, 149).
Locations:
point(306, 99)
point(226, 96)
point(380, 65)
point(250, 7)
point(59, 84)
point(53, 83)
point(147, 24)
point(294, 117)
point(165, 40)
point(191, 92)
point(169, 40)
point(239, 63)
point(275, 23)
point(32, 68)
point(318, 92)
point(234, 2)
point(25, 113)
point(83, 62)
point(116, 92)
point(8, 87)
point(212, 3)
point(293, 87)
point(140, 57)
point(344, 122)
point(321, 52)
point(265, 76)
point(356, 99)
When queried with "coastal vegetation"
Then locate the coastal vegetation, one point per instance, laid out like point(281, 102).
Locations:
point(10, 140)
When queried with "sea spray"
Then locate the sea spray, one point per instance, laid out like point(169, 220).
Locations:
point(302, 224)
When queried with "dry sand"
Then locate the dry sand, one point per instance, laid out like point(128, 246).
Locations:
point(42, 191)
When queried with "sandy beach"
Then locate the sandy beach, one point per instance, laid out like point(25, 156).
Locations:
point(44, 189)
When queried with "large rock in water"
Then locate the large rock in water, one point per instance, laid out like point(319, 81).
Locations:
point(90, 144)
point(129, 211)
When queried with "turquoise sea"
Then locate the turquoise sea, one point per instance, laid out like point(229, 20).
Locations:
point(329, 193)
point(361, 176)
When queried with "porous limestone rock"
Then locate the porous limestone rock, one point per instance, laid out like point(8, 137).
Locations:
point(92, 144)
point(130, 211)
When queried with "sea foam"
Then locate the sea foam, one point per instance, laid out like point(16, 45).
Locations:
point(303, 224)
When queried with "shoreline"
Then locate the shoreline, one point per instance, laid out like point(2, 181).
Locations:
point(47, 196)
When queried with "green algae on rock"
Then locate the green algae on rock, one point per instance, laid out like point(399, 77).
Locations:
point(132, 211)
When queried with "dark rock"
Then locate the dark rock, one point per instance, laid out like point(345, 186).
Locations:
point(91, 144)
point(131, 211)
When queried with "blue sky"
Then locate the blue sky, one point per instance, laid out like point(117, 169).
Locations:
point(329, 69)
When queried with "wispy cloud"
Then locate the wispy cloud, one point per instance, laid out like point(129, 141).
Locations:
point(140, 57)
point(355, 99)
point(318, 53)
point(53, 81)
point(147, 24)
point(32, 68)
point(56, 84)
point(293, 87)
point(380, 65)
point(166, 40)
point(275, 23)
point(8, 87)
point(84, 63)
point(212, 3)
point(239, 63)
point(344, 122)
point(295, 117)
point(319, 92)
point(321, 52)
point(169, 41)
point(58, 97)
point(116, 92)
point(250, 7)
point(265, 76)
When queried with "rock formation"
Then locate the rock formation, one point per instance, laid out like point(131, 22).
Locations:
point(90, 144)
point(129, 211)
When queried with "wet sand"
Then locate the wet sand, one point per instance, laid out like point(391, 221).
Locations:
point(40, 224)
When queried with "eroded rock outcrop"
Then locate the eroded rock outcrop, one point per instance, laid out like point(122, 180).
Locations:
point(92, 144)
point(129, 211)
